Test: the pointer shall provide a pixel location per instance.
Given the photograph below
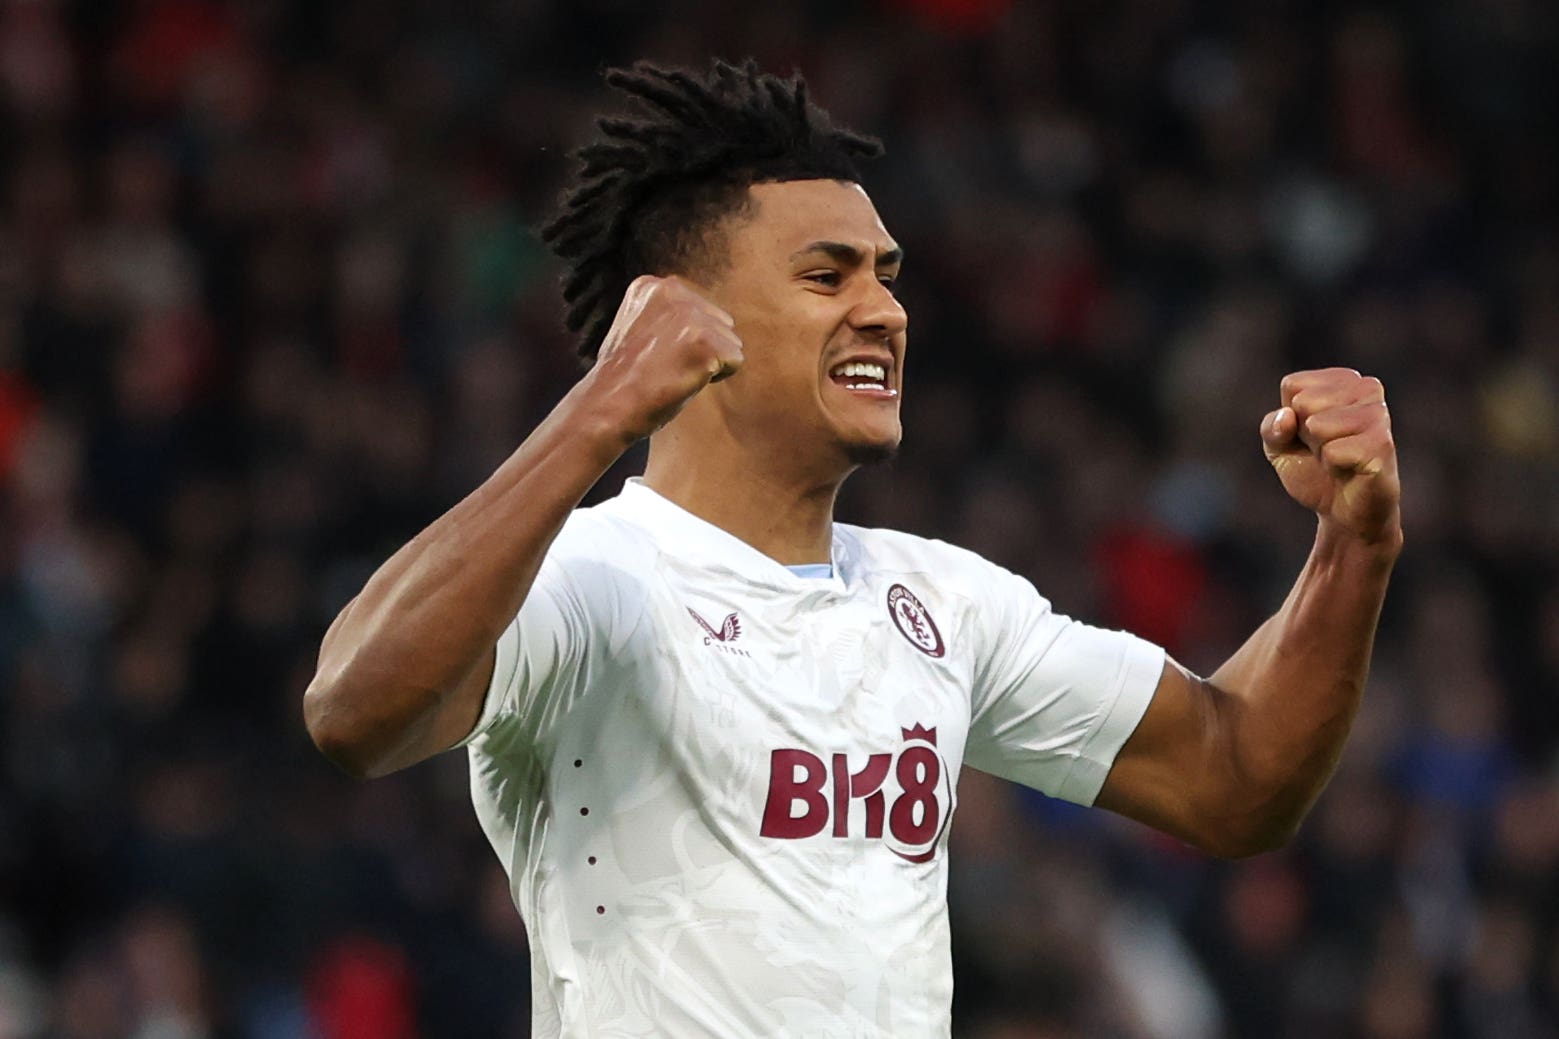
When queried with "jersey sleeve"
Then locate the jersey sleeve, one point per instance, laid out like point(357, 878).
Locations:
point(578, 610)
point(1054, 699)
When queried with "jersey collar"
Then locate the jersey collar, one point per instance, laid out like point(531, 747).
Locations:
point(687, 536)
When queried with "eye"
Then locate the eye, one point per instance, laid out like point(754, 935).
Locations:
point(828, 278)
point(888, 281)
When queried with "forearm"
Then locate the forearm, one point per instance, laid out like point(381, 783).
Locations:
point(1232, 763)
point(430, 616)
point(1289, 695)
point(403, 669)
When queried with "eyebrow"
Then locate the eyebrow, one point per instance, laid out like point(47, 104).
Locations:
point(841, 252)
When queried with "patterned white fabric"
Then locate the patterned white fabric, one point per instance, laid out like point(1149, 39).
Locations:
point(722, 791)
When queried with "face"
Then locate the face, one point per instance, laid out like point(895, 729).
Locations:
point(809, 281)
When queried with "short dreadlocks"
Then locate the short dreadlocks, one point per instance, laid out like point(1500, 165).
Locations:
point(650, 189)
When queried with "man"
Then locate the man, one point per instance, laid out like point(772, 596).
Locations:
point(713, 735)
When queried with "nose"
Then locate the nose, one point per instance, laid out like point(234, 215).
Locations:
point(879, 312)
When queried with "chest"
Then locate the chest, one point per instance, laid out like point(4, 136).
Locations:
point(810, 661)
point(812, 714)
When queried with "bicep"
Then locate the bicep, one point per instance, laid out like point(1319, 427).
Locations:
point(536, 660)
point(450, 723)
point(458, 715)
point(542, 661)
point(1168, 773)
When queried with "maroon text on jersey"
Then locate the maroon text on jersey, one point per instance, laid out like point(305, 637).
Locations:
point(905, 796)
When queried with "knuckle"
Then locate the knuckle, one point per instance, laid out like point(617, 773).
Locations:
point(679, 291)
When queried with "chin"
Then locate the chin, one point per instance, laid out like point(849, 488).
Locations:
point(871, 452)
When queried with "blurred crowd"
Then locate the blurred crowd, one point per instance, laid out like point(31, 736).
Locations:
point(271, 298)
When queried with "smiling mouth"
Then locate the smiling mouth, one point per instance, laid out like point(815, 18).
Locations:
point(864, 377)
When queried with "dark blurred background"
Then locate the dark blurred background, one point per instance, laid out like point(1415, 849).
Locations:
point(271, 299)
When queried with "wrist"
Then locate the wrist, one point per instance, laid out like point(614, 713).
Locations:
point(600, 416)
point(1337, 542)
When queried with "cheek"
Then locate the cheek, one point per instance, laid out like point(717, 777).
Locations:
point(784, 336)
point(780, 385)
point(779, 356)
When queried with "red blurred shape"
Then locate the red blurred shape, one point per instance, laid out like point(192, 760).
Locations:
point(164, 43)
point(960, 17)
point(362, 989)
point(1153, 582)
point(18, 405)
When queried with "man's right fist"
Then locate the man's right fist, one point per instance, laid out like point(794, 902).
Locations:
point(666, 343)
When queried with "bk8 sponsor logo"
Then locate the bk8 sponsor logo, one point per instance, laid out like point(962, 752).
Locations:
point(906, 795)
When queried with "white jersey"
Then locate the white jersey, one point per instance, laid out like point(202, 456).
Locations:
point(722, 791)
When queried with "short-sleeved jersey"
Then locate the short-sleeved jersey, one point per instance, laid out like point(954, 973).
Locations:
point(722, 792)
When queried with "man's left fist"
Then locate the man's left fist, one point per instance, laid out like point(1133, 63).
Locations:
point(1330, 443)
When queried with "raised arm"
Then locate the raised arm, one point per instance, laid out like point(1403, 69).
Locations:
point(404, 668)
point(1232, 763)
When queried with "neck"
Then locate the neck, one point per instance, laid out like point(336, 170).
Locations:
point(785, 514)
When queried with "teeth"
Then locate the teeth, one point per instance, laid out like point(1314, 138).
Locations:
point(871, 371)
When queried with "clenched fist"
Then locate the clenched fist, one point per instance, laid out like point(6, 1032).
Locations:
point(667, 343)
point(1330, 442)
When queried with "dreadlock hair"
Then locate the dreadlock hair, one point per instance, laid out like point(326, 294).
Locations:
point(651, 188)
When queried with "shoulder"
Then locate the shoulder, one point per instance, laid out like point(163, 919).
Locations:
point(602, 560)
point(981, 598)
point(604, 533)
